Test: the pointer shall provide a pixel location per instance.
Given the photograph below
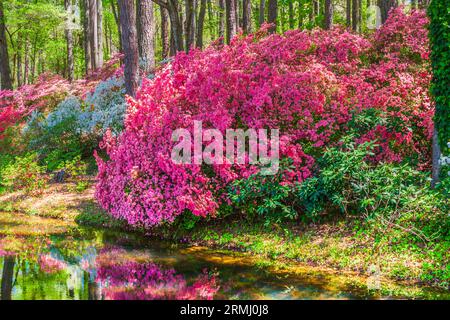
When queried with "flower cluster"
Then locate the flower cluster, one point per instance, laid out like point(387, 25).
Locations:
point(311, 85)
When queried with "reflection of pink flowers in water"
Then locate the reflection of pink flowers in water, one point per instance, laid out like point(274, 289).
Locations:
point(147, 281)
point(48, 264)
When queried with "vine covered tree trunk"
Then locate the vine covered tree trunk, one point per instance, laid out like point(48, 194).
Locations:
point(5, 70)
point(247, 16)
point(146, 34)
point(328, 14)
point(272, 15)
point(200, 24)
point(231, 19)
point(348, 13)
point(130, 46)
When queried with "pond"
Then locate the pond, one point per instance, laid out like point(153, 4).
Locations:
point(84, 263)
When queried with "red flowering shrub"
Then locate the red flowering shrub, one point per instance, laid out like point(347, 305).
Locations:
point(310, 85)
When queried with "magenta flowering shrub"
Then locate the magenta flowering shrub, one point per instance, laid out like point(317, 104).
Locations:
point(49, 264)
point(310, 85)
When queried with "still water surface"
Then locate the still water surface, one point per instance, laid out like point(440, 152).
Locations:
point(97, 264)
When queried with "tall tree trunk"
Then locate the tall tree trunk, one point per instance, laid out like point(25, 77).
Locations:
point(190, 23)
point(272, 15)
point(116, 18)
point(5, 70)
point(93, 34)
point(247, 16)
point(146, 34)
point(130, 46)
point(356, 14)
point(7, 277)
point(291, 15)
point(300, 14)
point(435, 159)
point(262, 12)
point(222, 19)
point(328, 14)
point(348, 15)
point(176, 24)
point(99, 34)
point(19, 62)
point(165, 32)
point(200, 23)
point(26, 71)
point(231, 19)
point(385, 6)
point(86, 37)
point(69, 40)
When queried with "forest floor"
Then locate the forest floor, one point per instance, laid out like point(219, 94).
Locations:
point(339, 245)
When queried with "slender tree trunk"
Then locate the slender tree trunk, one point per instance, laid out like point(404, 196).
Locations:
point(190, 23)
point(175, 25)
point(247, 16)
point(5, 70)
point(69, 40)
point(435, 159)
point(222, 19)
point(272, 15)
point(262, 12)
point(348, 11)
point(93, 34)
point(356, 14)
point(236, 14)
point(300, 14)
point(385, 7)
point(26, 71)
point(165, 32)
point(291, 15)
point(19, 62)
point(87, 34)
point(231, 19)
point(7, 277)
point(146, 34)
point(200, 23)
point(130, 45)
point(116, 18)
point(328, 14)
point(99, 34)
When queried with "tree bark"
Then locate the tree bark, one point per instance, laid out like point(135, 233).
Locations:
point(385, 6)
point(272, 15)
point(356, 14)
point(200, 24)
point(328, 24)
point(130, 46)
point(165, 32)
point(247, 16)
point(190, 23)
point(348, 11)
point(262, 12)
point(99, 33)
point(146, 34)
point(231, 19)
point(435, 160)
point(222, 19)
point(69, 40)
point(116, 18)
point(5, 70)
point(87, 34)
point(93, 35)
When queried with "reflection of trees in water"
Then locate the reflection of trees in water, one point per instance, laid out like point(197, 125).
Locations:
point(7, 277)
point(147, 281)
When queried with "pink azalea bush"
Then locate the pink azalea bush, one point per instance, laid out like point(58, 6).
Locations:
point(309, 84)
point(49, 264)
